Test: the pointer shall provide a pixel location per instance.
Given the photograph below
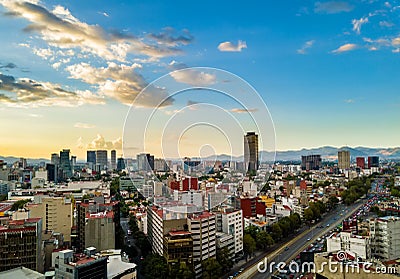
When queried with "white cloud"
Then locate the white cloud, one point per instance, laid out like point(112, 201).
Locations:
point(191, 76)
point(60, 29)
point(84, 125)
point(24, 92)
point(243, 110)
point(120, 82)
point(307, 45)
point(228, 46)
point(332, 7)
point(358, 23)
point(386, 24)
point(345, 47)
point(349, 101)
point(101, 143)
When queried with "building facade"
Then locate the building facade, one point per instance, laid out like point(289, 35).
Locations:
point(251, 161)
point(344, 159)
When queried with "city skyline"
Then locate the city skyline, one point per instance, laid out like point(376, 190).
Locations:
point(326, 70)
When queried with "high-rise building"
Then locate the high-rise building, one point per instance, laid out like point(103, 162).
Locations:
point(113, 163)
point(20, 244)
point(311, 162)
point(160, 165)
point(203, 229)
point(102, 159)
point(56, 214)
point(121, 164)
point(385, 237)
point(360, 162)
point(344, 159)
point(91, 157)
point(230, 221)
point(251, 151)
point(65, 163)
point(52, 172)
point(145, 162)
point(96, 224)
point(87, 265)
point(55, 159)
point(373, 162)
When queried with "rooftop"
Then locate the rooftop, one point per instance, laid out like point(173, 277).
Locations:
point(21, 273)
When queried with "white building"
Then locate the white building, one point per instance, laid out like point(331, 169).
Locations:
point(228, 241)
point(230, 221)
point(346, 241)
point(385, 237)
point(203, 229)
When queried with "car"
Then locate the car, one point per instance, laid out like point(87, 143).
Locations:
point(327, 225)
point(241, 270)
point(308, 239)
point(286, 248)
point(230, 277)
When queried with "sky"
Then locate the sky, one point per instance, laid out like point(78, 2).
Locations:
point(300, 73)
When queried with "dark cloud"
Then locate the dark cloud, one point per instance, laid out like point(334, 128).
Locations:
point(8, 66)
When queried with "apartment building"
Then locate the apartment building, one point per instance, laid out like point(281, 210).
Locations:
point(346, 241)
point(385, 237)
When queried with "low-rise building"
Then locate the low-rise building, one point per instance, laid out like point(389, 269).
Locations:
point(346, 241)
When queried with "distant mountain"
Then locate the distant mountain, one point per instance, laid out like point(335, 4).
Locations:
point(10, 160)
point(326, 152)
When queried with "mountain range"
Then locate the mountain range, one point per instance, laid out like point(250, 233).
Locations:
point(327, 153)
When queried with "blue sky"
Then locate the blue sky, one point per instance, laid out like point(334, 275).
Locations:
point(327, 70)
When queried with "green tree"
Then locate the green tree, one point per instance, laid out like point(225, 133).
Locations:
point(19, 204)
point(249, 245)
point(276, 232)
point(264, 240)
point(155, 267)
point(308, 214)
point(296, 220)
point(180, 271)
point(224, 259)
point(211, 269)
point(252, 230)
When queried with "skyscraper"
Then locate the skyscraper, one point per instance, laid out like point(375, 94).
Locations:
point(360, 162)
point(65, 163)
point(91, 157)
point(251, 151)
point(113, 163)
point(55, 159)
point(311, 162)
point(102, 159)
point(145, 162)
point(373, 162)
point(344, 159)
point(120, 164)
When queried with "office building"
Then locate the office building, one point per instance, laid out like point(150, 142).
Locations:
point(160, 165)
point(91, 157)
point(96, 224)
point(73, 266)
point(65, 163)
point(56, 214)
point(203, 229)
point(145, 162)
point(117, 268)
point(360, 161)
point(311, 162)
point(229, 221)
point(344, 159)
point(385, 237)
point(251, 161)
point(20, 244)
point(373, 162)
point(121, 164)
point(102, 159)
point(226, 241)
point(113, 163)
point(55, 159)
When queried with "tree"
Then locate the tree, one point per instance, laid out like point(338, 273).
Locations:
point(308, 214)
point(249, 245)
point(276, 232)
point(155, 267)
point(180, 271)
point(211, 269)
point(224, 259)
point(296, 220)
point(19, 204)
point(264, 240)
point(252, 230)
